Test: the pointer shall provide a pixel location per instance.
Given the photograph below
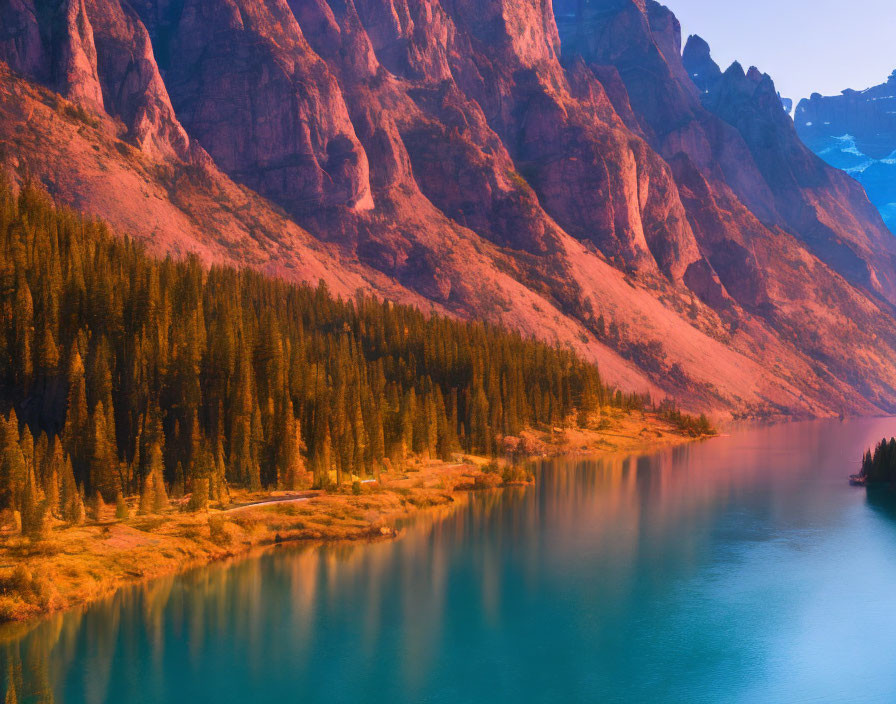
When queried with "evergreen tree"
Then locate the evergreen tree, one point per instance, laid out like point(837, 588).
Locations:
point(52, 491)
point(323, 460)
point(95, 506)
point(33, 509)
point(76, 435)
point(22, 335)
point(133, 372)
point(156, 480)
point(103, 472)
point(146, 496)
point(199, 497)
point(292, 465)
point(13, 468)
point(122, 512)
point(71, 500)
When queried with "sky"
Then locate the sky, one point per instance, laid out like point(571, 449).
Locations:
point(806, 46)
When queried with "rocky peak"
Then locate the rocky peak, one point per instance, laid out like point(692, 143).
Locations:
point(666, 30)
point(738, 90)
point(698, 62)
point(98, 54)
point(642, 40)
point(526, 29)
point(21, 45)
point(411, 38)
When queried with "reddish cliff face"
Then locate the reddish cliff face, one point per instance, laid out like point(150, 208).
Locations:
point(246, 85)
point(571, 179)
point(98, 54)
point(53, 42)
point(133, 89)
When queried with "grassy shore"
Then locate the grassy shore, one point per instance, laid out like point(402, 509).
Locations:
point(78, 564)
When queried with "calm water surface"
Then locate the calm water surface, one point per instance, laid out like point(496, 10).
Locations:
point(743, 569)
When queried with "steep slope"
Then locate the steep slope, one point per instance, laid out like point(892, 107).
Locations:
point(469, 154)
point(733, 128)
point(746, 179)
point(175, 207)
point(183, 208)
point(826, 209)
point(856, 132)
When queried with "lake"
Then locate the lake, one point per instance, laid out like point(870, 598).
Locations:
point(741, 569)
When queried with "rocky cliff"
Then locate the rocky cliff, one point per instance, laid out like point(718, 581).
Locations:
point(558, 169)
point(856, 132)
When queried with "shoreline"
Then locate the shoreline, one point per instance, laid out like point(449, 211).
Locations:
point(78, 565)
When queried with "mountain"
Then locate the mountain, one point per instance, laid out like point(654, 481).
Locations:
point(856, 132)
point(562, 170)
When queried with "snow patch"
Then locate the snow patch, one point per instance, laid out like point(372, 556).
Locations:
point(848, 145)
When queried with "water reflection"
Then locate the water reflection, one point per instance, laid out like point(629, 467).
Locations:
point(882, 500)
point(727, 571)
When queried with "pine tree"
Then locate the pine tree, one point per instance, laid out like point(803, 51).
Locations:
point(102, 463)
point(13, 468)
point(22, 335)
point(293, 465)
point(146, 496)
point(358, 432)
point(480, 432)
point(71, 500)
point(76, 434)
point(95, 506)
point(199, 497)
point(44, 458)
point(219, 489)
point(156, 480)
point(122, 512)
point(33, 510)
point(323, 460)
point(26, 442)
point(52, 492)
point(377, 437)
point(177, 486)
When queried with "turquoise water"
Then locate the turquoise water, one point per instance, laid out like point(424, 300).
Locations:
point(742, 569)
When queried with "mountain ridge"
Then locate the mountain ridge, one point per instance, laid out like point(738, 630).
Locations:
point(856, 132)
point(485, 158)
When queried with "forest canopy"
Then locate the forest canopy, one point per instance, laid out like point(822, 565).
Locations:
point(122, 373)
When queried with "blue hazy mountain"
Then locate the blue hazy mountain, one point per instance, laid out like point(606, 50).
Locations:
point(856, 132)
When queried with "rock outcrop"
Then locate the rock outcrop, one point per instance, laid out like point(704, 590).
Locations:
point(53, 42)
point(247, 86)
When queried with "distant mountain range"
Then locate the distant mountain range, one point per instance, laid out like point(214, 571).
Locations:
point(856, 132)
point(562, 170)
